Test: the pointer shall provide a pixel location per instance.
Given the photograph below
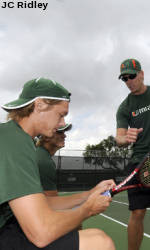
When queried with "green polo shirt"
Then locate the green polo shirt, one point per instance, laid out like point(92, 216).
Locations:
point(134, 112)
point(19, 173)
point(47, 169)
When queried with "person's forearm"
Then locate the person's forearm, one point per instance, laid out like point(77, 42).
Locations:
point(42, 224)
point(67, 202)
point(64, 222)
point(122, 140)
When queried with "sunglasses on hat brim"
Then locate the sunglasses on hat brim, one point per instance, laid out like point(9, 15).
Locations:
point(126, 78)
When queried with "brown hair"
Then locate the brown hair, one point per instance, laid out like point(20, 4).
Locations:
point(42, 140)
point(18, 114)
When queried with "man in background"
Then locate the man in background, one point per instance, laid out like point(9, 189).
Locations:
point(46, 148)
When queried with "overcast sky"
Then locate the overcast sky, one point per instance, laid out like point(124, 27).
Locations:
point(81, 44)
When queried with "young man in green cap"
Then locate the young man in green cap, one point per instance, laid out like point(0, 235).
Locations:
point(28, 219)
point(133, 126)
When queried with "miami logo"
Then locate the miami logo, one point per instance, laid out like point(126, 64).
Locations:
point(136, 113)
point(141, 111)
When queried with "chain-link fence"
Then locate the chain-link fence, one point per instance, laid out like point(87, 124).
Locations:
point(90, 163)
point(82, 173)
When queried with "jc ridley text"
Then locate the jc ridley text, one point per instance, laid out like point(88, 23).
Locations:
point(24, 5)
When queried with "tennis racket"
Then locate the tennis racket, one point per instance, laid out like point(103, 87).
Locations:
point(142, 171)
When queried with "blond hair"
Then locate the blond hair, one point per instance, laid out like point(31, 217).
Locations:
point(18, 114)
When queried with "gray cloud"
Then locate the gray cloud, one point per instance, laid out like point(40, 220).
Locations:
point(81, 45)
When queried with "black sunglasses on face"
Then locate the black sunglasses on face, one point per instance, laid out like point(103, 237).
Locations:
point(126, 78)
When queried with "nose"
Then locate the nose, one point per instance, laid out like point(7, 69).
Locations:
point(129, 82)
point(62, 122)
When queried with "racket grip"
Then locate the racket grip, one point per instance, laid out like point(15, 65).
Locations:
point(107, 193)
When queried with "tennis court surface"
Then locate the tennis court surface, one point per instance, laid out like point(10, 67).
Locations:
point(114, 222)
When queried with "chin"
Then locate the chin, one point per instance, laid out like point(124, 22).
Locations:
point(133, 91)
point(50, 134)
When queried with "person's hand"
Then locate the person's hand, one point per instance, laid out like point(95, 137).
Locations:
point(96, 202)
point(132, 134)
point(107, 184)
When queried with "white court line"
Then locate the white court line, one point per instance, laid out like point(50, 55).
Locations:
point(121, 223)
point(124, 203)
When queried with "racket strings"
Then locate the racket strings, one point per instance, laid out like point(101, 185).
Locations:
point(144, 173)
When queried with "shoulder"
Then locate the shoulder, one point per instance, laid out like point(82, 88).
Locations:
point(42, 152)
point(43, 156)
point(148, 89)
point(13, 137)
point(124, 104)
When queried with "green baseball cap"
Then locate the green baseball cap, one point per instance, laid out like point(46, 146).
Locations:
point(67, 127)
point(129, 66)
point(40, 87)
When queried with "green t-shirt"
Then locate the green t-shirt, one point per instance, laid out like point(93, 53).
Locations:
point(47, 169)
point(19, 173)
point(134, 112)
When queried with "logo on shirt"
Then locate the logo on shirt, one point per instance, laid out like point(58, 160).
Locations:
point(140, 111)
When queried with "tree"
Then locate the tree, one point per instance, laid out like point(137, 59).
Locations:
point(106, 151)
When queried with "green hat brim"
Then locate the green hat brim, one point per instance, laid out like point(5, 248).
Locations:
point(128, 72)
point(21, 102)
point(65, 128)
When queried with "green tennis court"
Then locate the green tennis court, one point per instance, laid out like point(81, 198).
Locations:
point(114, 222)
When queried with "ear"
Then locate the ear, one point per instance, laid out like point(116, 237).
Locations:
point(40, 105)
point(142, 74)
